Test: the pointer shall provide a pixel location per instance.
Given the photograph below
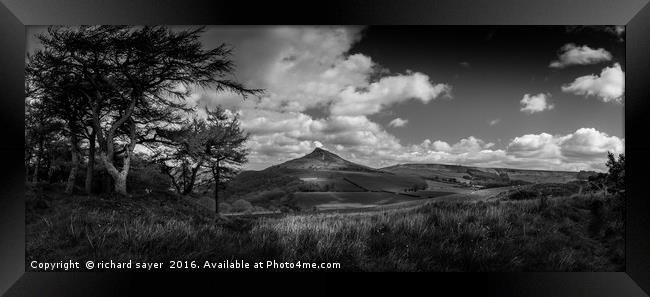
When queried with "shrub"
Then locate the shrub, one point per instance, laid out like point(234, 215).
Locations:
point(146, 176)
point(265, 198)
point(522, 195)
point(225, 207)
point(241, 206)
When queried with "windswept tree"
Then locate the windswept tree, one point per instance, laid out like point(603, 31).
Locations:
point(210, 148)
point(616, 173)
point(132, 79)
point(52, 91)
point(181, 153)
point(614, 180)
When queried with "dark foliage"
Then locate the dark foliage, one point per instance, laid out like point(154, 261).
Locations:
point(111, 87)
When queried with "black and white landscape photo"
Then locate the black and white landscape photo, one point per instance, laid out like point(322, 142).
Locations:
point(335, 148)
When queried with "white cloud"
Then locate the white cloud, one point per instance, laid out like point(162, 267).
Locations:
point(570, 54)
point(387, 91)
point(298, 67)
point(361, 140)
point(583, 149)
point(535, 103)
point(587, 142)
point(470, 145)
point(398, 122)
point(441, 146)
point(609, 86)
point(541, 145)
point(619, 30)
point(311, 67)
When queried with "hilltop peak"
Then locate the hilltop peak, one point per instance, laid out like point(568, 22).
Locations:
point(323, 155)
point(319, 150)
point(321, 159)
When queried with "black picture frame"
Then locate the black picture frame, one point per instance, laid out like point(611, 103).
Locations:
point(16, 14)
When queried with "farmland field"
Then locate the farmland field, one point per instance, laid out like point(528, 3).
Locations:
point(384, 182)
point(345, 200)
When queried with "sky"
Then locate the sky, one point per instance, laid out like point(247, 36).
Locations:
point(529, 97)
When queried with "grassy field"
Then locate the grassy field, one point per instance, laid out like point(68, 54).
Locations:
point(576, 233)
point(385, 181)
point(343, 200)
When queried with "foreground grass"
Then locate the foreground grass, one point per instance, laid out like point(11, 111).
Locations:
point(576, 233)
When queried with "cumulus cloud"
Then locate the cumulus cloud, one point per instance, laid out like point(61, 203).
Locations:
point(398, 122)
point(311, 67)
point(535, 103)
point(589, 142)
point(609, 86)
point(361, 140)
point(583, 149)
point(387, 91)
point(570, 54)
point(541, 145)
point(298, 67)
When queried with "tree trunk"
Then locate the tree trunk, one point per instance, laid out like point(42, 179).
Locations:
point(119, 176)
point(189, 185)
point(50, 172)
point(120, 184)
point(72, 177)
point(91, 164)
point(216, 187)
point(106, 144)
point(26, 173)
point(38, 161)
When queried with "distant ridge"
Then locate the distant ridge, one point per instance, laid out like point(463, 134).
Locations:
point(477, 167)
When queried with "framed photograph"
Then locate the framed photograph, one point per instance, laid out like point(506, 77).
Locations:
point(241, 148)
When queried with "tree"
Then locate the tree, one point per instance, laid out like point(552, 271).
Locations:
point(598, 182)
point(616, 173)
point(614, 180)
point(212, 146)
point(40, 132)
point(132, 79)
point(226, 152)
point(51, 91)
point(182, 157)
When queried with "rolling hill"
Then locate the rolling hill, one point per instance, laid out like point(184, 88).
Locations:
point(484, 176)
point(322, 177)
point(319, 171)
